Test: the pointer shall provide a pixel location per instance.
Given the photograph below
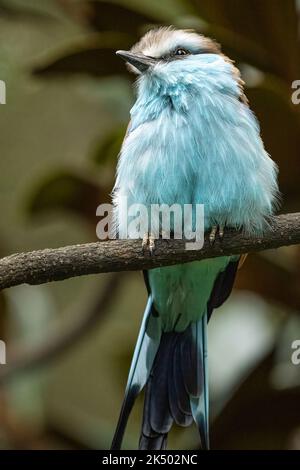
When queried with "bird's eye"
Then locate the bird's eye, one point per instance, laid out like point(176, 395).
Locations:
point(181, 51)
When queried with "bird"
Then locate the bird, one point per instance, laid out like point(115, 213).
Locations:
point(192, 139)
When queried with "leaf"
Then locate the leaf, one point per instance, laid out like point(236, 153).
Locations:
point(27, 13)
point(97, 61)
point(94, 55)
point(120, 26)
point(65, 191)
point(108, 149)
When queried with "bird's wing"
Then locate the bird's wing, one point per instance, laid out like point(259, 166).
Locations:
point(223, 286)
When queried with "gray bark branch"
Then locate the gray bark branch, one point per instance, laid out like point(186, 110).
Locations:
point(38, 267)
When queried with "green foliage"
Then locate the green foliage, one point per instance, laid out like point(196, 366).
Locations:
point(67, 191)
point(108, 149)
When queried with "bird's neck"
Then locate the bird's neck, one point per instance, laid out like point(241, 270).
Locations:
point(184, 94)
point(156, 97)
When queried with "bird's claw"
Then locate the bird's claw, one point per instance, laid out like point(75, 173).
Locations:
point(221, 231)
point(148, 242)
point(212, 235)
point(145, 242)
point(216, 230)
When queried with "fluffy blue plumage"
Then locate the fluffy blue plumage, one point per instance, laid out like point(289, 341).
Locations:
point(191, 140)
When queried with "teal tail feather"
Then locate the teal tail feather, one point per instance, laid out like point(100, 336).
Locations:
point(141, 365)
point(200, 404)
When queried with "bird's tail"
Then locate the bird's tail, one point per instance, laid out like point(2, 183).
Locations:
point(141, 365)
point(173, 367)
point(177, 388)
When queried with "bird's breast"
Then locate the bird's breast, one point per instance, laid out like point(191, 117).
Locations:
point(159, 161)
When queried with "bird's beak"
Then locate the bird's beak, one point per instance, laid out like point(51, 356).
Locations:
point(139, 61)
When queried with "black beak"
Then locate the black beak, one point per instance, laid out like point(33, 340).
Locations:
point(139, 61)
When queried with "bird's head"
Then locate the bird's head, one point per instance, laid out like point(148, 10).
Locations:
point(164, 46)
point(176, 67)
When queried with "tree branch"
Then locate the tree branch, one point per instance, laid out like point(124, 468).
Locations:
point(38, 267)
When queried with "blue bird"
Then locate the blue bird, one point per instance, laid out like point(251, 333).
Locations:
point(192, 139)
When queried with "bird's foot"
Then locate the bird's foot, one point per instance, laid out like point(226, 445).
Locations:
point(221, 231)
point(216, 230)
point(148, 243)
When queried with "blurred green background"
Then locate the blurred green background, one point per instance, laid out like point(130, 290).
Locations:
point(70, 343)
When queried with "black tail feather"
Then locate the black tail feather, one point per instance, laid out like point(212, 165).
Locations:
point(191, 371)
point(179, 399)
point(150, 439)
point(124, 415)
point(167, 398)
point(153, 443)
point(179, 384)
